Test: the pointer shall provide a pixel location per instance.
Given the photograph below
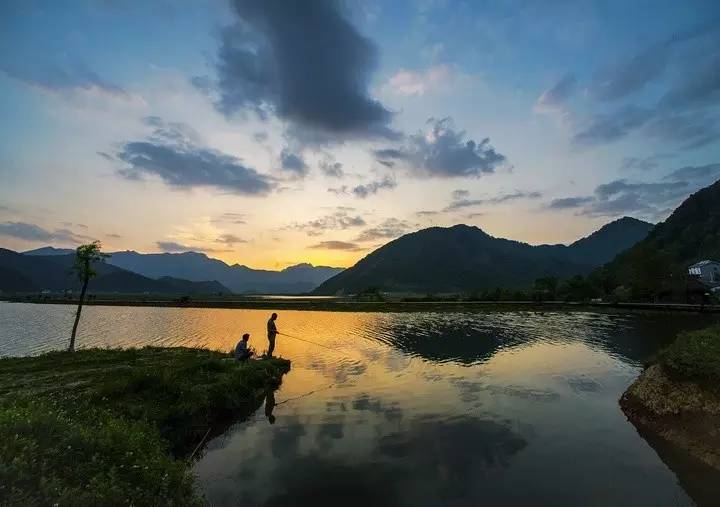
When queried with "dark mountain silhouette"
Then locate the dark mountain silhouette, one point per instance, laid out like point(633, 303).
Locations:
point(690, 234)
point(199, 267)
point(238, 278)
point(28, 273)
point(464, 258)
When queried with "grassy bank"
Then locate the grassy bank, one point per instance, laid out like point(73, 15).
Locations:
point(694, 356)
point(676, 399)
point(115, 427)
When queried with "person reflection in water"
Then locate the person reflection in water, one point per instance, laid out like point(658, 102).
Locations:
point(270, 406)
point(272, 333)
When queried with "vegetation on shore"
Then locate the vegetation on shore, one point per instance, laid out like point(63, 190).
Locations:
point(677, 398)
point(694, 356)
point(115, 427)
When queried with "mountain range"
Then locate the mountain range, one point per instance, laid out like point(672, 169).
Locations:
point(32, 273)
point(659, 262)
point(199, 267)
point(464, 258)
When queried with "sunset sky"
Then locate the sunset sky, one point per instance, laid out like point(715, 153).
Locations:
point(272, 132)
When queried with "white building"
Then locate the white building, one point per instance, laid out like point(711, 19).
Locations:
point(708, 271)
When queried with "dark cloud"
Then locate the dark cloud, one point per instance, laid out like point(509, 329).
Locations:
point(362, 191)
point(444, 152)
point(337, 245)
point(106, 156)
point(644, 164)
point(172, 153)
point(229, 239)
point(32, 232)
point(632, 75)
point(339, 220)
point(389, 229)
point(557, 95)
point(570, 202)
point(331, 168)
point(267, 63)
point(697, 176)
point(173, 247)
point(605, 128)
point(685, 114)
point(61, 77)
point(292, 162)
point(427, 213)
point(460, 202)
point(460, 194)
point(113, 236)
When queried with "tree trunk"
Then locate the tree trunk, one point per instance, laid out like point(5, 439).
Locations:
point(71, 348)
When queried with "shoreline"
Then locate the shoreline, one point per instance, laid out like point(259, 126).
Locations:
point(377, 306)
point(102, 426)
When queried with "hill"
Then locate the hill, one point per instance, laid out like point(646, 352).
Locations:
point(464, 258)
point(659, 262)
point(238, 278)
point(30, 273)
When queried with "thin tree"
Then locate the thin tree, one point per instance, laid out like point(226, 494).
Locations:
point(85, 257)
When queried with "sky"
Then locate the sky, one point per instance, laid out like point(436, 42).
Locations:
point(269, 132)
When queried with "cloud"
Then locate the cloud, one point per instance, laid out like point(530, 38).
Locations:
point(172, 153)
point(461, 201)
point(460, 194)
point(229, 239)
point(32, 232)
point(113, 236)
point(644, 164)
point(570, 202)
point(632, 75)
point(412, 82)
point(697, 176)
point(233, 218)
point(555, 97)
point(339, 220)
point(292, 162)
point(426, 213)
point(653, 200)
point(267, 63)
point(331, 168)
point(367, 189)
point(62, 77)
point(444, 152)
point(337, 245)
point(389, 229)
point(605, 128)
point(260, 137)
point(685, 113)
point(173, 247)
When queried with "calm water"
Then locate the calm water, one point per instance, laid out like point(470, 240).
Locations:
point(413, 409)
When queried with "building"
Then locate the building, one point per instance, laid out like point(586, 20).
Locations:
point(707, 271)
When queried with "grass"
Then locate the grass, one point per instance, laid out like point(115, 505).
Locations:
point(694, 356)
point(115, 427)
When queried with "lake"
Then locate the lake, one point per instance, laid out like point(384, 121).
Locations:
point(413, 409)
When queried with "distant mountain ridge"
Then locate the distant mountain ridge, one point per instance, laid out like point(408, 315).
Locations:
point(195, 266)
point(465, 258)
point(660, 261)
point(32, 273)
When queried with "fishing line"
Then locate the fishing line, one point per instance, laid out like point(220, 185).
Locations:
point(308, 341)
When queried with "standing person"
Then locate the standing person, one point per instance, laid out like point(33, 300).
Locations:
point(242, 352)
point(272, 333)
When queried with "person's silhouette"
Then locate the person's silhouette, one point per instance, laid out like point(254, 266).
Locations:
point(270, 406)
point(271, 333)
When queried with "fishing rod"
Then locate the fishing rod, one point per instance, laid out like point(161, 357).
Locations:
point(307, 341)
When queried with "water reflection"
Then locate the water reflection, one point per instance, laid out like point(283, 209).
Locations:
point(409, 409)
